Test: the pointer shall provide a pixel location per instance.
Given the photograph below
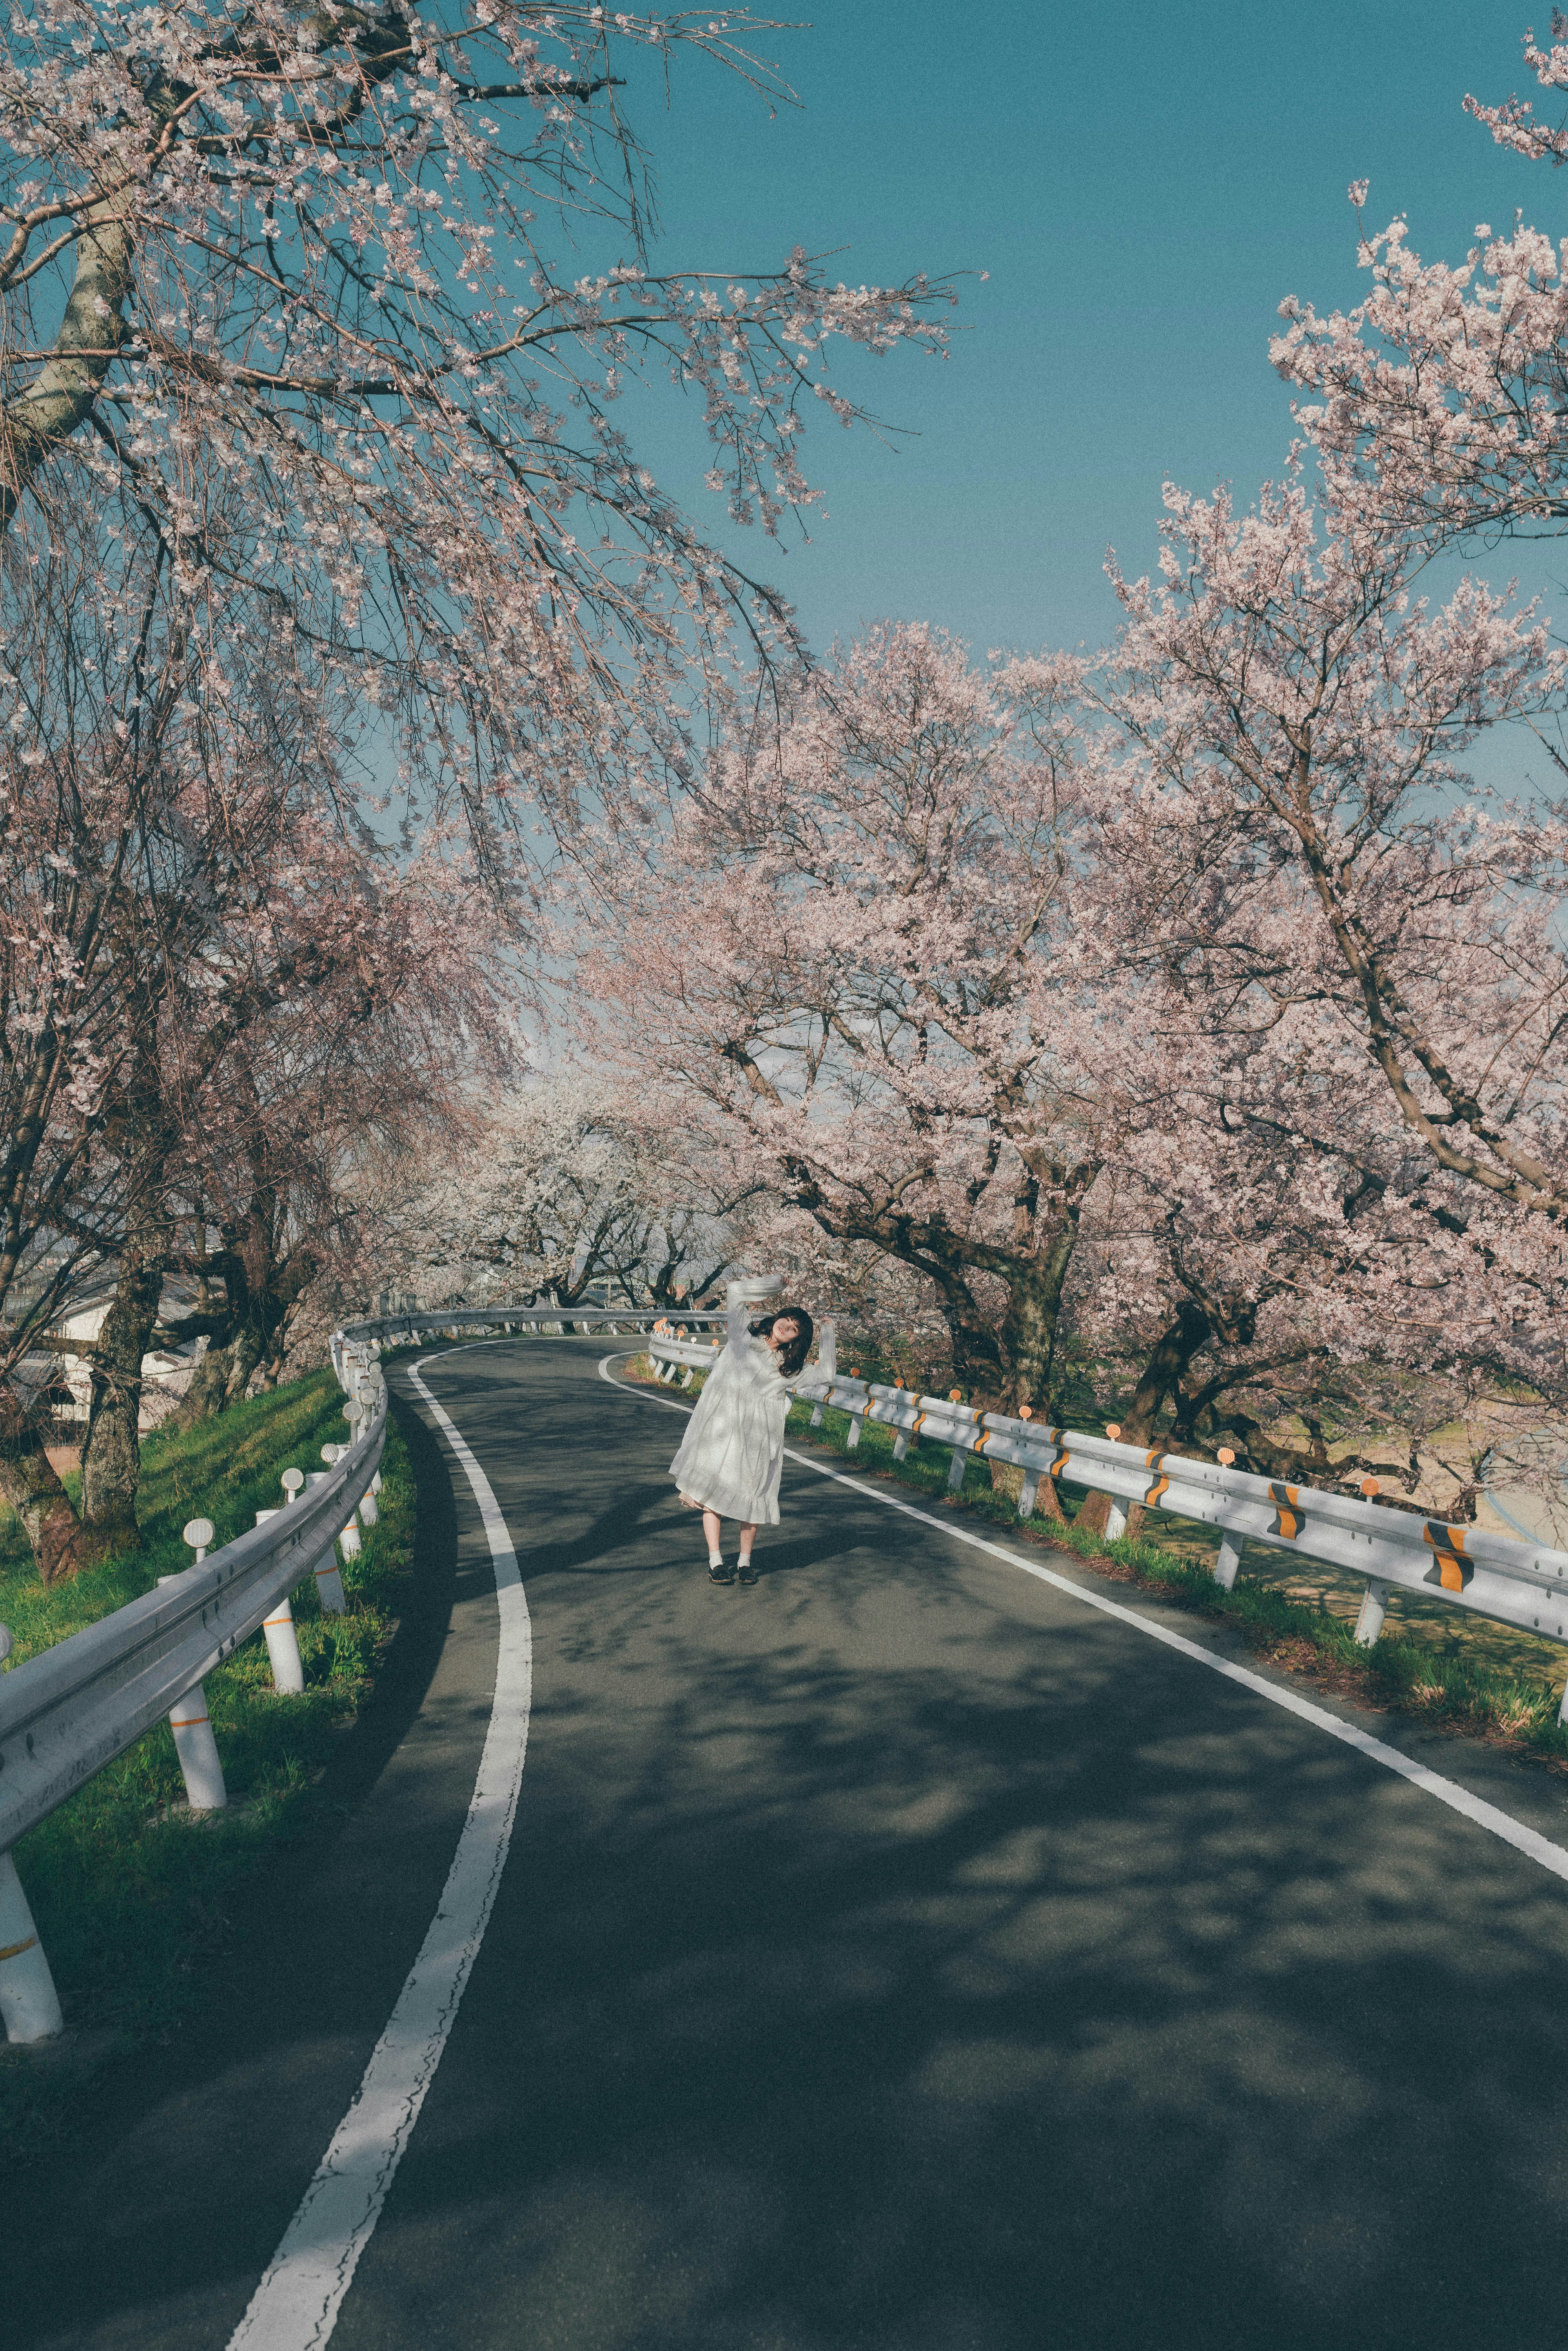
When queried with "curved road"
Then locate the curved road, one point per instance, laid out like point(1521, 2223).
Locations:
point(897, 1955)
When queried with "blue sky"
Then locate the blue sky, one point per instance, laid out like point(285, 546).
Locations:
point(1143, 186)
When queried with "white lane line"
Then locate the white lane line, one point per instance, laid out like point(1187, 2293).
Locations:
point(296, 2306)
point(1502, 1824)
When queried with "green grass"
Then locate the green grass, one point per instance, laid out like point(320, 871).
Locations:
point(224, 1470)
point(126, 1884)
point(1456, 1671)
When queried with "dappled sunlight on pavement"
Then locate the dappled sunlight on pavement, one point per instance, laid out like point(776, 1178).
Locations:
point(896, 1956)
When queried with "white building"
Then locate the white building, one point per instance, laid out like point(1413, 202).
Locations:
point(165, 1372)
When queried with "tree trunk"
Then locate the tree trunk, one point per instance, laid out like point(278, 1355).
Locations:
point(60, 1545)
point(1002, 1366)
point(1048, 1502)
point(1173, 1351)
point(206, 1395)
point(91, 330)
point(258, 1321)
point(662, 1291)
point(222, 1375)
point(1165, 1369)
point(248, 1347)
point(978, 1364)
point(111, 1459)
point(1033, 1315)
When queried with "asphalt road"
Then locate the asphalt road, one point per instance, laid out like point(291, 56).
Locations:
point(895, 1956)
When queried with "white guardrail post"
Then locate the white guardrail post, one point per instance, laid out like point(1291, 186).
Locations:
point(369, 1511)
point(195, 1742)
point(1226, 1565)
point(827, 1361)
point(282, 1640)
point(29, 2004)
point(328, 1575)
point(1374, 1607)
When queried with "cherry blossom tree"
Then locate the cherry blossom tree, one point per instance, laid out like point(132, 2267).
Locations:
point(1440, 398)
point(1051, 984)
point(187, 893)
point(289, 1046)
point(880, 977)
point(93, 804)
point(1297, 715)
point(567, 1183)
point(319, 315)
point(62, 1037)
point(270, 1199)
point(1352, 1145)
point(1260, 1254)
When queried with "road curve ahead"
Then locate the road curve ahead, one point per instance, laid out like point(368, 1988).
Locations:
point(902, 1956)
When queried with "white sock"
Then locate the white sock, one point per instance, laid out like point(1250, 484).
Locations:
point(715, 1558)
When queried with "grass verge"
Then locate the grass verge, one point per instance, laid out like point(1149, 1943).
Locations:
point(126, 1885)
point(1503, 1689)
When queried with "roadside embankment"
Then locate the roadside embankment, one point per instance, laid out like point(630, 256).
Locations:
point(126, 1885)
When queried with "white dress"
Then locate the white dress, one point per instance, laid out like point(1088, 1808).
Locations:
point(733, 1451)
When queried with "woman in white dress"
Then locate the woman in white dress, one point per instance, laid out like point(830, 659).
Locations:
point(729, 1462)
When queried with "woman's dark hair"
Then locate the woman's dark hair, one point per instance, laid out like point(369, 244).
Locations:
point(792, 1358)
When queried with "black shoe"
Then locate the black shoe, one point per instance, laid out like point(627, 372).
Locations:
point(722, 1574)
point(747, 1571)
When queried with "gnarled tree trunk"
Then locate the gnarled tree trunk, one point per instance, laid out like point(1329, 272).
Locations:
point(1004, 1365)
point(1173, 1352)
point(111, 1458)
point(60, 1543)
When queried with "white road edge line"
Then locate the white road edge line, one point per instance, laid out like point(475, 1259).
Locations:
point(1502, 1824)
point(296, 2306)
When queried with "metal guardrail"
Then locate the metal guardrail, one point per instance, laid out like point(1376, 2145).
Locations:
point(67, 1712)
point(1520, 1583)
point(377, 1330)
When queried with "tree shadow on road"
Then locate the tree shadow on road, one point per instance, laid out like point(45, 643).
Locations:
point(891, 1969)
point(900, 1957)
